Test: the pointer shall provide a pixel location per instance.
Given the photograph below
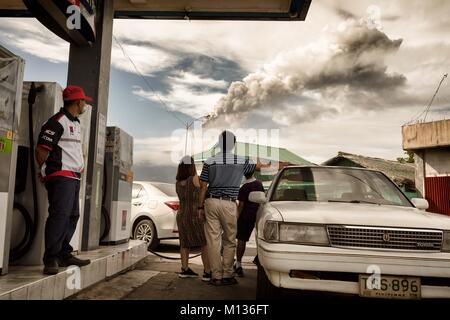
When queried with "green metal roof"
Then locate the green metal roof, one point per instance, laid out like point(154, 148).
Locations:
point(254, 151)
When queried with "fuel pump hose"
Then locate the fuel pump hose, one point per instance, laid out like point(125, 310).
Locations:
point(31, 224)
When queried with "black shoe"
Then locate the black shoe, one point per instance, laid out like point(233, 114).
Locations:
point(229, 281)
point(74, 261)
point(215, 282)
point(51, 268)
point(206, 276)
point(239, 272)
point(188, 273)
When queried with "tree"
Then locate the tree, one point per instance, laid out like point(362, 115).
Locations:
point(408, 159)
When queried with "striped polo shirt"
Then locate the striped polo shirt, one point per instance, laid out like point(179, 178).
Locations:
point(224, 172)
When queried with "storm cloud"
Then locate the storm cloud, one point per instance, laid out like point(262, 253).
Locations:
point(323, 78)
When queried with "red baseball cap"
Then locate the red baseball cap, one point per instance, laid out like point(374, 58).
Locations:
point(75, 93)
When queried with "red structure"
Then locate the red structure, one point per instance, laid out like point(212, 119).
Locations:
point(437, 191)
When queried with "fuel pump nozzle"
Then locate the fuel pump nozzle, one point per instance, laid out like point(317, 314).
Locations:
point(32, 94)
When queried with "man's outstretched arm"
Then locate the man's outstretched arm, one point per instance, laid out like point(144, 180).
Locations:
point(260, 165)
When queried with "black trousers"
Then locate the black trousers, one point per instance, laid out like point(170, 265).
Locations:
point(63, 215)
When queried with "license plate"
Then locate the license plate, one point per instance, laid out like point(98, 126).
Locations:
point(389, 287)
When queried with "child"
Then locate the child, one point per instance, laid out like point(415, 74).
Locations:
point(246, 218)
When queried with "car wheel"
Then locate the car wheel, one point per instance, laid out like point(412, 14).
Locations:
point(145, 230)
point(264, 288)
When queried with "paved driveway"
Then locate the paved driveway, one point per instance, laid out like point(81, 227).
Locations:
point(156, 278)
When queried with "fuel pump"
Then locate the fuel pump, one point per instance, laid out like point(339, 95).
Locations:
point(11, 77)
point(117, 186)
point(24, 157)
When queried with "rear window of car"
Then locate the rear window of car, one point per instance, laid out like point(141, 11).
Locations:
point(166, 188)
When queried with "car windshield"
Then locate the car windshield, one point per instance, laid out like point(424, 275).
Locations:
point(337, 185)
point(166, 188)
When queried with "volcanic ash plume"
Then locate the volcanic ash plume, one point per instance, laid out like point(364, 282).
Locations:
point(348, 65)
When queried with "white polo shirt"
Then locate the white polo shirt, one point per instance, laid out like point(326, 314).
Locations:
point(61, 136)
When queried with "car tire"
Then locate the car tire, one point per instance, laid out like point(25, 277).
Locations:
point(264, 288)
point(145, 230)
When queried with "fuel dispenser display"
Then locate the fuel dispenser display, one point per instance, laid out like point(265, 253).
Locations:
point(117, 184)
point(11, 77)
point(31, 202)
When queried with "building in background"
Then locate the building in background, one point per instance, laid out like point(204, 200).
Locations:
point(430, 142)
point(401, 173)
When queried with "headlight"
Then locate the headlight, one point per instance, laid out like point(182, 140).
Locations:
point(271, 231)
point(446, 242)
point(314, 235)
point(295, 233)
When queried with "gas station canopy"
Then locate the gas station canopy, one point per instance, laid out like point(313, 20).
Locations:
point(189, 9)
point(90, 57)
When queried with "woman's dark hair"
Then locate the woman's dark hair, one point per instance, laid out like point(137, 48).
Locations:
point(186, 168)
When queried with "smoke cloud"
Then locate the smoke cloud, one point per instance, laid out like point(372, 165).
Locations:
point(345, 68)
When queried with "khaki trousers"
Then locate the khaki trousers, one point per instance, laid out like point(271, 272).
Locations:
point(221, 223)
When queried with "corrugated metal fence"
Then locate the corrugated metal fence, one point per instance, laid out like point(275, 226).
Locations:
point(437, 192)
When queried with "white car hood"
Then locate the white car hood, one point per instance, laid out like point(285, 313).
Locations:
point(360, 214)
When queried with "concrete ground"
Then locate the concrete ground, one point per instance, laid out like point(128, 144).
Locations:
point(156, 278)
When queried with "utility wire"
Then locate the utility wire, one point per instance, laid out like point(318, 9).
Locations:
point(165, 107)
point(417, 118)
point(434, 95)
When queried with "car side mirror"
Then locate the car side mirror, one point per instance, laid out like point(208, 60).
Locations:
point(257, 197)
point(420, 203)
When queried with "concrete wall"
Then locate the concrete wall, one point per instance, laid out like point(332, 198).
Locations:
point(426, 135)
point(431, 163)
point(419, 175)
point(437, 162)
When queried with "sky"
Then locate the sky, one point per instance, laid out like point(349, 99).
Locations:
point(346, 79)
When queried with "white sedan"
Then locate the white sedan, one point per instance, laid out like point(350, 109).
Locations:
point(153, 212)
point(349, 231)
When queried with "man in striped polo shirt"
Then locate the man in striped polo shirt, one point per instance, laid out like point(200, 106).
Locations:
point(220, 180)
